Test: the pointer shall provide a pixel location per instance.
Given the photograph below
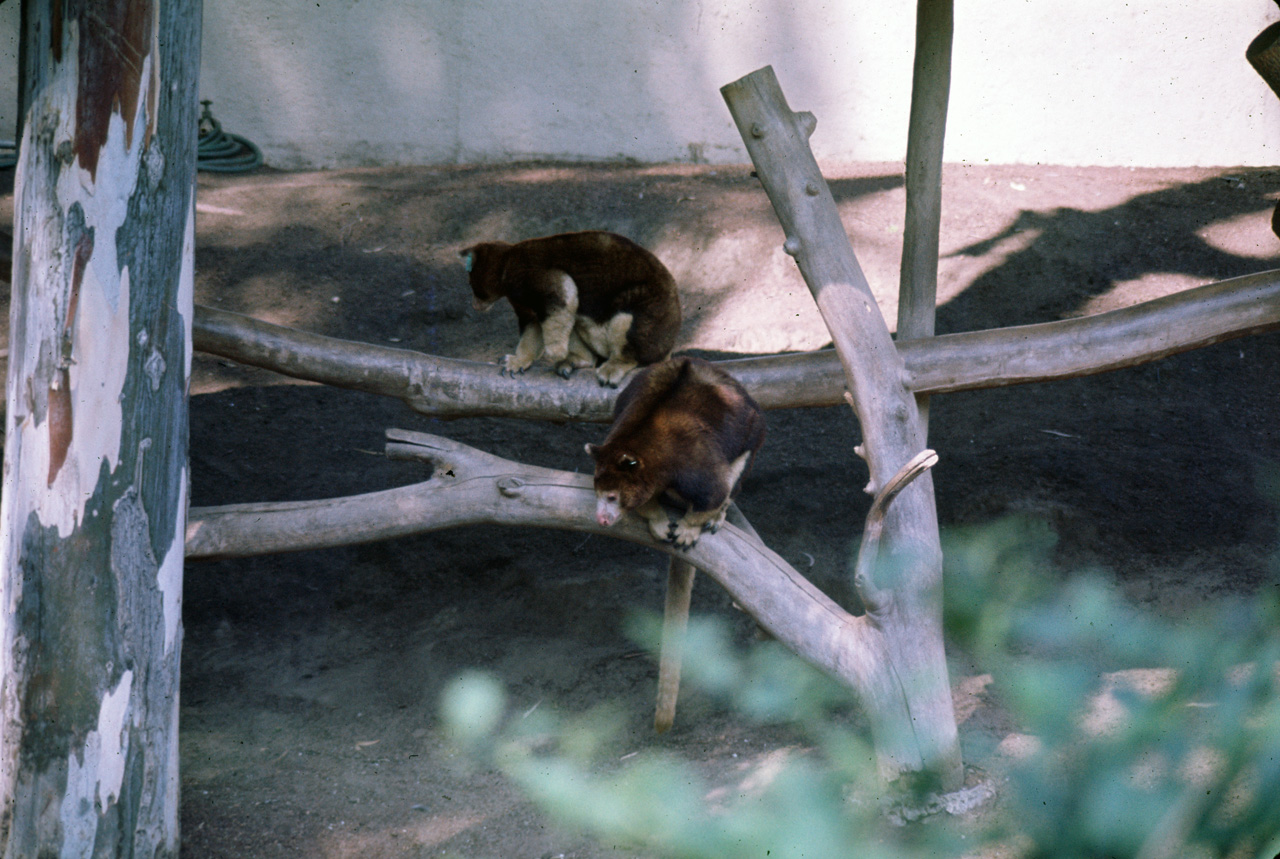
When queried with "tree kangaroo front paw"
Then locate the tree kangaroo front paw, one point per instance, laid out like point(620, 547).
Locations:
point(661, 528)
point(574, 362)
point(713, 524)
point(684, 535)
point(514, 364)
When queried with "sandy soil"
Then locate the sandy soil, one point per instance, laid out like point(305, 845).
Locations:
point(311, 681)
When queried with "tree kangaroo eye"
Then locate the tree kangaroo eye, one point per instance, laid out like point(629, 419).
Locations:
point(627, 462)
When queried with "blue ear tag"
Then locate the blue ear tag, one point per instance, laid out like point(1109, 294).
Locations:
point(468, 260)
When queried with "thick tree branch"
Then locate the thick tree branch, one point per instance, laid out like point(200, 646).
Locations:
point(449, 388)
point(908, 606)
point(440, 387)
point(1127, 337)
point(470, 487)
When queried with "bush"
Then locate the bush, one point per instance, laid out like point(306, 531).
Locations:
point(1184, 761)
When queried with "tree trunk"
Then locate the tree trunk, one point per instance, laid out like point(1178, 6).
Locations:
point(903, 594)
point(93, 515)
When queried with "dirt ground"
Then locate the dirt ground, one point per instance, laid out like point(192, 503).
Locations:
point(311, 681)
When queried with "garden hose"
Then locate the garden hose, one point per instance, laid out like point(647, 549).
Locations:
point(219, 151)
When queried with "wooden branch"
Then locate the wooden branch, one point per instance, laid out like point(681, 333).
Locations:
point(449, 388)
point(1086, 345)
point(777, 140)
point(864, 575)
point(930, 89)
point(440, 387)
point(470, 487)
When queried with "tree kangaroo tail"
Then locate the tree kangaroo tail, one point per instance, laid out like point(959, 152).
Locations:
point(674, 622)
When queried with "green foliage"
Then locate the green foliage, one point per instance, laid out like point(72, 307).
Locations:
point(1155, 738)
point(1188, 761)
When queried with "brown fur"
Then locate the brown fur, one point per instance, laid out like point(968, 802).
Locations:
point(683, 429)
point(578, 298)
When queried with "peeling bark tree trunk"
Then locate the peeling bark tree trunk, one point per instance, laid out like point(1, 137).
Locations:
point(903, 592)
point(93, 514)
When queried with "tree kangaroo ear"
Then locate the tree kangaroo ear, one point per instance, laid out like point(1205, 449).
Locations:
point(591, 449)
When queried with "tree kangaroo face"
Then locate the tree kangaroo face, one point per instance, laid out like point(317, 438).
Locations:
point(483, 287)
point(620, 484)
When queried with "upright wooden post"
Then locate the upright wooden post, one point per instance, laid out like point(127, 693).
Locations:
point(93, 513)
point(903, 594)
point(930, 91)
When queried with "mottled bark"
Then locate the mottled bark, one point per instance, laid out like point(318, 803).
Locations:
point(93, 513)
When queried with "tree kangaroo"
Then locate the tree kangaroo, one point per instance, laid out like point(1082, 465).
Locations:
point(579, 298)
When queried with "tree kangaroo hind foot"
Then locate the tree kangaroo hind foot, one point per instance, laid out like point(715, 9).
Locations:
point(580, 356)
point(527, 351)
point(612, 372)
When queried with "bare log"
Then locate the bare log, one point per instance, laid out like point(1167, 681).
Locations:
point(869, 550)
point(449, 388)
point(777, 140)
point(440, 387)
point(1127, 337)
point(470, 487)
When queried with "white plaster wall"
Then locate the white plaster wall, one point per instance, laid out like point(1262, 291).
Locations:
point(322, 83)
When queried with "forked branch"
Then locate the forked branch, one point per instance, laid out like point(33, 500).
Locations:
point(470, 487)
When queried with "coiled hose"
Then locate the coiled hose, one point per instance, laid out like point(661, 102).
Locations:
point(219, 151)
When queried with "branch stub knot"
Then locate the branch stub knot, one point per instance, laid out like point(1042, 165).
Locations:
point(510, 486)
point(807, 122)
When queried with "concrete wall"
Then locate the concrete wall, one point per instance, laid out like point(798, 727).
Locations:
point(325, 83)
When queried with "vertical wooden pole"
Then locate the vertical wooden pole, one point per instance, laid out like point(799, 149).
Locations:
point(94, 507)
point(930, 90)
